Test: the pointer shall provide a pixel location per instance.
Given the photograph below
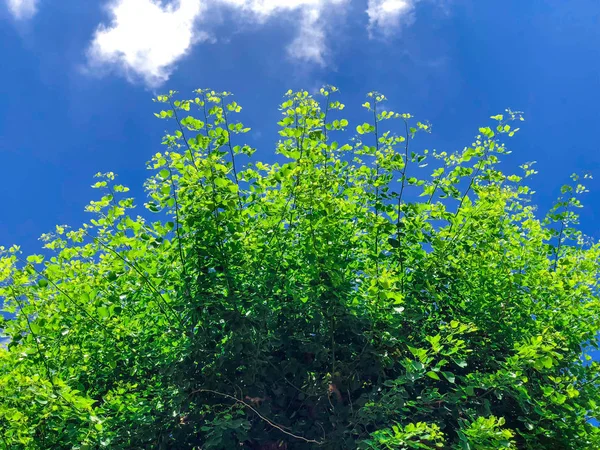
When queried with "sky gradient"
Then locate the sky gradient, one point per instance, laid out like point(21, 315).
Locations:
point(78, 78)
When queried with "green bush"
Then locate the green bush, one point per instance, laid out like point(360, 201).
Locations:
point(351, 297)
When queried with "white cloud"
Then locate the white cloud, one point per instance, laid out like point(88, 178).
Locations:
point(266, 8)
point(310, 42)
point(387, 16)
point(309, 45)
point(22, 9)
point(145, 38)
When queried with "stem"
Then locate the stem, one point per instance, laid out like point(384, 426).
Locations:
point(587, 383)
point(41, 355)
point(92, 318)
point(437, 184)
point(325, 153)
point(376, 188)
point(183, 134)
point(206, 122)
point(479, 165)
point(231, 154)
point(146, 280)
point(251, 408)
point(220, 239)
point(178, 232)
point(292, 197)
point(560, 235)
point(403, 178)
point(557, 249)
point(404, 169)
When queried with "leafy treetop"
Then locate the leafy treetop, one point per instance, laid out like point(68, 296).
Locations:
point(351, 297)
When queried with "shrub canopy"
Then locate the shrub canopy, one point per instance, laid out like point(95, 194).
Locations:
point(349, 297)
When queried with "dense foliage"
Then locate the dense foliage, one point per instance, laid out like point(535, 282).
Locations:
point(349, 296)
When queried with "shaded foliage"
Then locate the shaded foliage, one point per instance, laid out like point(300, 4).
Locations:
point(351, 297)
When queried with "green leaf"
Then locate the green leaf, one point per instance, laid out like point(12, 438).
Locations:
point(449, 376)
point(547, 362)
point(35, 328)
point(460, 363)
point(35, 259)
point(559, 398)
point(433, 375)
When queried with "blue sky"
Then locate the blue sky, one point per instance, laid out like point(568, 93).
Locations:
point(78, 77)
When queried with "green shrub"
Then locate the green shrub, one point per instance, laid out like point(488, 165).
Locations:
point(351, 297)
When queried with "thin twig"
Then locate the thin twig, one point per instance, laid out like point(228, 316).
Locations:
point(183, 134)
point(235, 176)
point(92, 318)
point(479, 165)
point(178, 232)
point(593, 380)
point(144, 277)
point(42, 356)
point(306, 394)
point(560, 235)
point(376, 188)
point(403, 178)
point(250, 407)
